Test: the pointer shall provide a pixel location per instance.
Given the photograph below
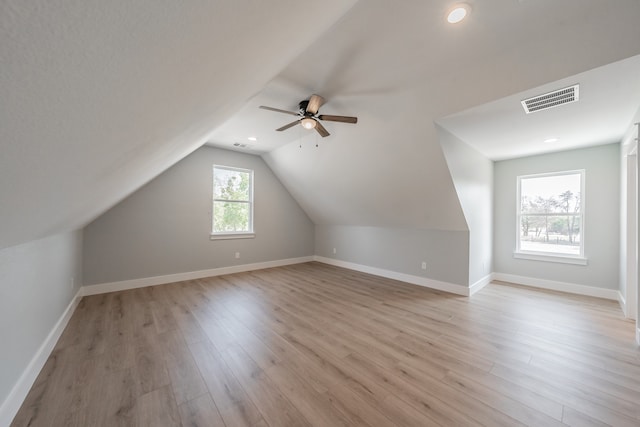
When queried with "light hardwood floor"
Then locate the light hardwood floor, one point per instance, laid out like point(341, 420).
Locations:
point(316, 345)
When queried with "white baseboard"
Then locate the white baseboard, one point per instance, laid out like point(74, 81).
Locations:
point(623, 303)
point(19, 392)
point(477, 286)
point(553, 285)
point(103, 288)
point(408, 278)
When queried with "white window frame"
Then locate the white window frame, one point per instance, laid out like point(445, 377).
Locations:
point(551, 256)
point(234, 234)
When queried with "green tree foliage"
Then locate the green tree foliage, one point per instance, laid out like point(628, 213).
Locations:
point(231, 206)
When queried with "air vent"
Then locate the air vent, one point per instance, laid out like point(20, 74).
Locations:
point(551, 99)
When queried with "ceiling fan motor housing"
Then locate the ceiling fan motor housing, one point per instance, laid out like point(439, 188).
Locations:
point(303, 106)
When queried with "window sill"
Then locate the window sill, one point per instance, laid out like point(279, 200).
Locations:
point(232, 236)
point(537, 256)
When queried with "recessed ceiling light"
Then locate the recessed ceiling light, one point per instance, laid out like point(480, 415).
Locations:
point(252, 138)
point(551, 140)
point(458, 13)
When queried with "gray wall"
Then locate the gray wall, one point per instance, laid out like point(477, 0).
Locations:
point(602, 216)
point(35, 289)
point(472, 175)
point(399, 249)
point(164, 227)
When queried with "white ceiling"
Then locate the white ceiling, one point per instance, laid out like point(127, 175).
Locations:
point(250, 121)
point(609, 98)
point(344, 67)
point(401, 70)
point(99, 97)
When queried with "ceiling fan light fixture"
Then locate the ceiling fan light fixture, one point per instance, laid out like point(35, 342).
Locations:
point(309, 117)
point(458, 13)
point(308, 123)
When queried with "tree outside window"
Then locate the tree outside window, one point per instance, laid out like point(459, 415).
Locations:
point(232, 200)
point(551, 213)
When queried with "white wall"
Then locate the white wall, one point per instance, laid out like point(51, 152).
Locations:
point(628, 218)
point(628, 229)
point(164, 227)
point(625, 170)
point(38, 280)
point(602, 216)
point(472, 175)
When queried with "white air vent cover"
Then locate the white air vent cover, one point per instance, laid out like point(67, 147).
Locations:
point(551, 99)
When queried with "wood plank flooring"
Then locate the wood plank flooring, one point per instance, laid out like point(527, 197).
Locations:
point(316, 345)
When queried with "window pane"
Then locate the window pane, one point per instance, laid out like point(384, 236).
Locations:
point(550, 194)
point(552, 233)
point(230, 217)
point(231, 184)
point(550, 209)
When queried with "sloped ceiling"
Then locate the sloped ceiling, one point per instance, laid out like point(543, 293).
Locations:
point(98, 97)
point(400, 68)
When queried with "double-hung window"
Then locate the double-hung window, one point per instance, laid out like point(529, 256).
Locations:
point(550, 223)
point(232, 202)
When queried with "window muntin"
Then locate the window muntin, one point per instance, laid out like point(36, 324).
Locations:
point(232, 201)
point(551, 214)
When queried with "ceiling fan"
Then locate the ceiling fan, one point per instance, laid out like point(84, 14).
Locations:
point(308, 115)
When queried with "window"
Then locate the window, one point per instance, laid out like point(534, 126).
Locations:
point(232, 202)
point(551, 215)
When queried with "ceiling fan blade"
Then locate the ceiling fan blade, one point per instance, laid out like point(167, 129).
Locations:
point(264, 107)
point(321, 130)
point(342, 119)
point(285, 127)
point(315, 102)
